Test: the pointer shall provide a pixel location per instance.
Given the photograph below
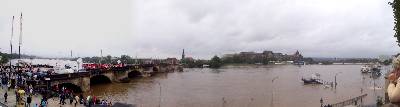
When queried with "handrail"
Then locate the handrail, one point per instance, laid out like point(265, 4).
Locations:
point(349, 102)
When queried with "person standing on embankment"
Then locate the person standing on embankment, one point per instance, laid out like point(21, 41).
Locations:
point(393, 88)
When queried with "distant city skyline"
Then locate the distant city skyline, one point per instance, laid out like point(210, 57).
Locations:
point(162, 28)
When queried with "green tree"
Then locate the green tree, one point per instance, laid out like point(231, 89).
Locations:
point(126, 59)
point(396, 11)
point(215, 62)
point(107, 59)
point(4, 58)
point(387, 62)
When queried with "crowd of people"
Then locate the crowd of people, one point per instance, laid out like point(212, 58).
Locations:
point(66, 94)
point(28, 82)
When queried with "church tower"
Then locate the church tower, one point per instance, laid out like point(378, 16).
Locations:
point(183, 54)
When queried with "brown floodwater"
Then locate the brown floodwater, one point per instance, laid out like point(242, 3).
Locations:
point(244, 86)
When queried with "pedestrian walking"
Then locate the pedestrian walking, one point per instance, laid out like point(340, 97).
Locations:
point(62, 99)
point(9, 85)
point(71, 98)
point(31, 91)
point(81, 98)
point(5, 96)
point(43, 103)
point(76, 100)
point(109, 103)
point(28, 101)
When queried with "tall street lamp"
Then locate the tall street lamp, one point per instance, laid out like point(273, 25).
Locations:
point(335, 78)
point(272, 99)
point(159, 97)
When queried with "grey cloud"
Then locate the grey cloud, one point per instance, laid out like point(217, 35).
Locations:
point(317, 28)
point(162, 28)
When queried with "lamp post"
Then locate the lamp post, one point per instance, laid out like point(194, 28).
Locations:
point(48, 83)
point(272, 99)
point(335, 78)
point(159, 97)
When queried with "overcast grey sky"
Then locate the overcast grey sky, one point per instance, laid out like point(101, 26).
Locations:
point(162, 28)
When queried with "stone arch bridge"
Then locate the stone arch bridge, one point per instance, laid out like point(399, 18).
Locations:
point(83, 80)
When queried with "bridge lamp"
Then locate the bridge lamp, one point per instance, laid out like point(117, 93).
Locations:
point(48, 83)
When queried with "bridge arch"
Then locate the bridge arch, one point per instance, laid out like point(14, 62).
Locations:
point(99, 79)
point(155, 69)
point(69, 86)
point(134, 73)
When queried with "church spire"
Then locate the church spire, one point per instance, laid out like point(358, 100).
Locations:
point(183, 54)
point(297, 52)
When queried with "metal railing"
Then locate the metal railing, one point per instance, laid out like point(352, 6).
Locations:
point(353, 101)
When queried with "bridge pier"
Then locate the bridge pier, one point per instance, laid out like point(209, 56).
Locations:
point(82, 82)
point(85, 84)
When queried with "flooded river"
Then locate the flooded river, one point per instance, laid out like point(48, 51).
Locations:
point(244, 86)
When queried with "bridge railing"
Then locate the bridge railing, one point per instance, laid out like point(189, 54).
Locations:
point(353, 101)
point(91, 72)
point(55, 77)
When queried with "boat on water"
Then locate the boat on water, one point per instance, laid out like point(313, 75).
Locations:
point(366, 69)
point(376, 68)
point(314, 79)
point(311, 81)
point(371, 68)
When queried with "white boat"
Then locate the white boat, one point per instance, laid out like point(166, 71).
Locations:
point(366, 69)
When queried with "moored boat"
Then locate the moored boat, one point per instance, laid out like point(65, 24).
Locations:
point(311, 81)
point(365, 69)
point(314, 79)
point(376, 68)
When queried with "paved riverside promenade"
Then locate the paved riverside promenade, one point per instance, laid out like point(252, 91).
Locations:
point(11, 100)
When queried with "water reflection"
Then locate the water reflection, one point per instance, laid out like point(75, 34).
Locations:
point(239, 86)
point(216, 71)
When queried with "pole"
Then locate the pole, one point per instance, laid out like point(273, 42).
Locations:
point(361, 97)
point(19, 52)
point(335, 78)
point(20, 36)
point(12, 33)
point(272, 99)
point(159, 98)
point(101, 55)
point(335, 81)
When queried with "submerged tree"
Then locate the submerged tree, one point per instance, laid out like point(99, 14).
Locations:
point(396, 13)
point(215, 62)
